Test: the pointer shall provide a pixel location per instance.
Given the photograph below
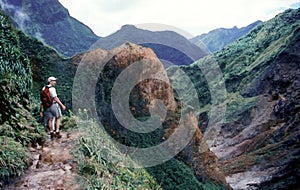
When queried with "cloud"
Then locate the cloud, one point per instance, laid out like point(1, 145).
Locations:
point(117, 5)
point(194, 16)
point(39, 36)
point(20, 17)
point(295, 5)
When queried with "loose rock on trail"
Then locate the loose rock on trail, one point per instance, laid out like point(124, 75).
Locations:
point(52, 168)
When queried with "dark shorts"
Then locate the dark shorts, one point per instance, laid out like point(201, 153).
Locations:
point(53, 111)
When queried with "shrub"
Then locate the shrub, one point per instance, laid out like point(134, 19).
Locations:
point(13, 158)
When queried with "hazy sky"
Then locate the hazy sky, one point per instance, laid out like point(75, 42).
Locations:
point(193, 16)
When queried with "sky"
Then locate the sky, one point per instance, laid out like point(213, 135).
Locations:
point(190, 17)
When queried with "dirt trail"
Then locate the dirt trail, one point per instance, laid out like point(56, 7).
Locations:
point(52, 166)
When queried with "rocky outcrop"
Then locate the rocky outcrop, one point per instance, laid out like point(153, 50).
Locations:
point(149, 94)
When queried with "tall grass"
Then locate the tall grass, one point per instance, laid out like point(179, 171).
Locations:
point(99, 162)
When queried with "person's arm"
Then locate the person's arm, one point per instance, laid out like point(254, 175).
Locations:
point(63, 107)
point(41, 109)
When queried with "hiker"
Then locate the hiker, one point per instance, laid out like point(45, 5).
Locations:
point(51, 109)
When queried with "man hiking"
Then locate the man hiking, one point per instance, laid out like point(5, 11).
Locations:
point(50, 107)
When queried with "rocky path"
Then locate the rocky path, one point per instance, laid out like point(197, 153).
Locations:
point(52, 166)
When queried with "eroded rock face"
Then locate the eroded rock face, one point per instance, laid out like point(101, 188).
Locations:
point(261, 148)
point(138, 69)
point(197, 154)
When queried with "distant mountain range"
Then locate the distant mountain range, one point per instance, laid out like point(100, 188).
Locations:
point(219, 38)
point(51, 23)
point(169, 46)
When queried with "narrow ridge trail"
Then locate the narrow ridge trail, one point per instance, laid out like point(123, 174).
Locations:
point(53, 167)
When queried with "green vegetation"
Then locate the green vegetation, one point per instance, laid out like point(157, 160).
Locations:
point(175, 175)
point(13, 158)
point(242, 63)
point(245, 60)
point(100, 162)
point(236, 105)
point(18, 127)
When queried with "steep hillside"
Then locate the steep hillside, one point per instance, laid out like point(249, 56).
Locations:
point(258, 140)
point(221, 37)
point(18, 128)
point(169, 46)
point(51, 23)
point(45, 62)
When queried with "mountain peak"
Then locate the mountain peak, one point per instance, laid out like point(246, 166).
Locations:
point(221, 37)
point(169, 46)
point(128, 26)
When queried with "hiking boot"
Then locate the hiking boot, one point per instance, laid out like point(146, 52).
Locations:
point(58, 135)
point(52, 135)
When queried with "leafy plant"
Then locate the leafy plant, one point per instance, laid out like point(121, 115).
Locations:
point(13, 158)
point(18, 127)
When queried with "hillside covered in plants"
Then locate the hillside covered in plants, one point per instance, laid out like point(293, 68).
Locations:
point(257, 140)
point(18, 127)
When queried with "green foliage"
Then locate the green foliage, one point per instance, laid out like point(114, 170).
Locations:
point(174, 174)
point(13, 158)
point(13, 63)
point(69, 121)
point(244, 60)
point(15, 88)
point(197, 78)
point(236, 105)
point(99, 162)
point(18, 127)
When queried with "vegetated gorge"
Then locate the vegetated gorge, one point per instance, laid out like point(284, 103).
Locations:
point(243, 135)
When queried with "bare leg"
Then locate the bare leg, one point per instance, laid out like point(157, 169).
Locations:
point(53, 124)
point(57, 124)
point(50, 124)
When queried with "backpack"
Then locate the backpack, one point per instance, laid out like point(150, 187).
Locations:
point(45, 97)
